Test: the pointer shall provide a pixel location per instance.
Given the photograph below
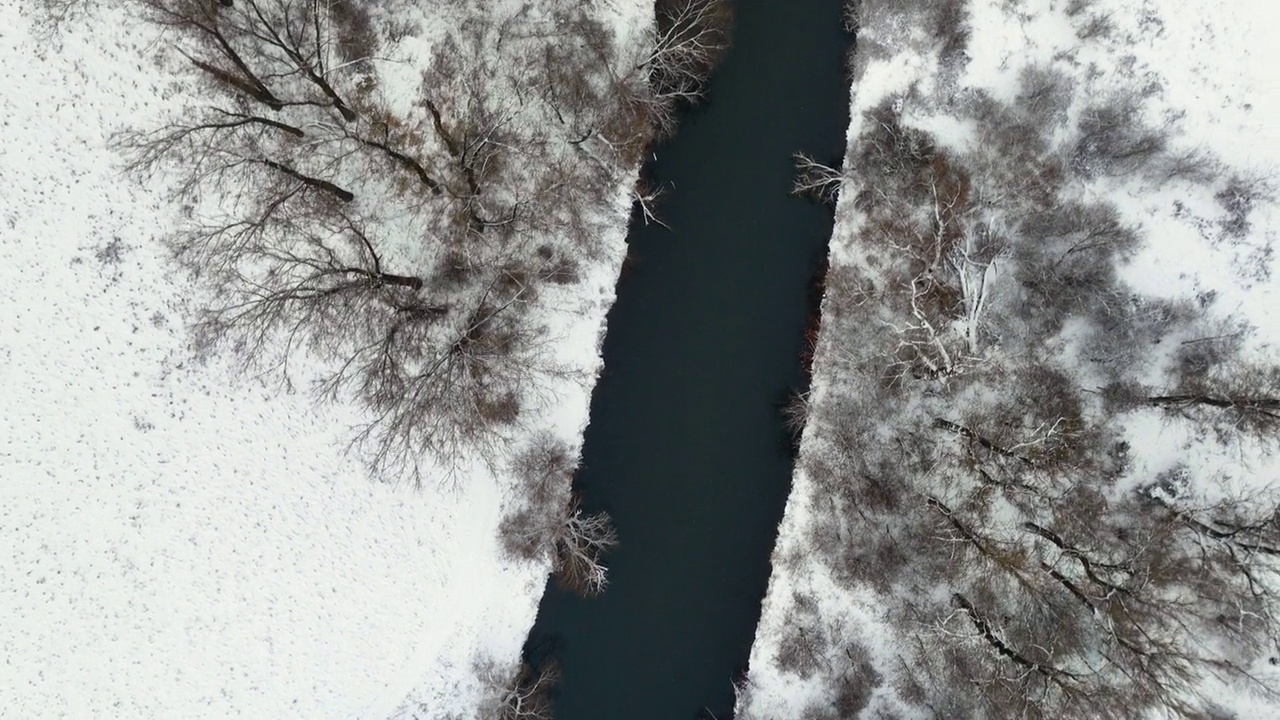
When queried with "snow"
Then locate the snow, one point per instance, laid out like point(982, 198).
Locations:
point(1209, 63)
point(182, 542)
point(1210, 67)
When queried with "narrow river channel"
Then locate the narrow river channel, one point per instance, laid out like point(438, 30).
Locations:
point(686, 447)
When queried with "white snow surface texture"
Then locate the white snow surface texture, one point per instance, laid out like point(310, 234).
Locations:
point(179, 542)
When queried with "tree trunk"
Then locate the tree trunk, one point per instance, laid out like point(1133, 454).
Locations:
point(254, 90)
point(407, 162)
point(258, 89)
point(413, 283)
point(1261, 404)
point(338, 192)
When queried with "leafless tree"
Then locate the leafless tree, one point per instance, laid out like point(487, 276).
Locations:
point(295, 264)
point(1238, 399)
point(403, 251)
point(806, 645)
point(941, 262)
point(575, 541)
point(816, 180)
point(1029, 582)
point(278, 52)
point(493, 130)
point(548, 523)
point(524, 694)
point(1104, 615)
point(690, 38)
point(582, 542)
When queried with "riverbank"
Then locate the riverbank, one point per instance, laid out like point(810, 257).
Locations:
point(852, 575)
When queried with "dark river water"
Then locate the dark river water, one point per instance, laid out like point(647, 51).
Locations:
point(686, 448)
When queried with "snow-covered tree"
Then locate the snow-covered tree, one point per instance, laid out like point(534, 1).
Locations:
point(548, 523)
point(403, 245)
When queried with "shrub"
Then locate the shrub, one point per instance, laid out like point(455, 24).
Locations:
point(1096, 25)
point(1044, 95)
point(1195, 166)
point(801, 650)
point(543, 471)
point(888, 150)
point(1237, 199)
point(948, 20)
point(353, 32)
point(1113, 139)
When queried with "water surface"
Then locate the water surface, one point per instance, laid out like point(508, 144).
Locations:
point(686, 448)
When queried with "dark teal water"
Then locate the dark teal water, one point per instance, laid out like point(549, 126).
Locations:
point(686, 447)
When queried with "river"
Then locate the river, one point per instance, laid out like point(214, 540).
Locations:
point(686, 448)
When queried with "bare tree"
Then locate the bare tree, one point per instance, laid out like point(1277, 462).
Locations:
point(293, 266)
point(403, 251)
point(690, 38)
point(940, 259)
point(816, 180)
point(575, 541)
point(524, 694)
point(1102, 616)
point(276, 51)
point(548, 523)
point(1234, 399)
point(582, 542)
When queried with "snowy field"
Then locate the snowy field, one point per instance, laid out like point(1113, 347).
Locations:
point(1207, 67)
point(180, 542)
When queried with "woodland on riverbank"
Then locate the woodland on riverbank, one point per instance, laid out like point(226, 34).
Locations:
point(973, 485)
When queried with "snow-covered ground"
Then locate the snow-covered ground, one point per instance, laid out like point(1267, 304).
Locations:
point(1208, 69)
point(179, 542)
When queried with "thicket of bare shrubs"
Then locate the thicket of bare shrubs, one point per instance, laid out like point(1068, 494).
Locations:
point(972, 469)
